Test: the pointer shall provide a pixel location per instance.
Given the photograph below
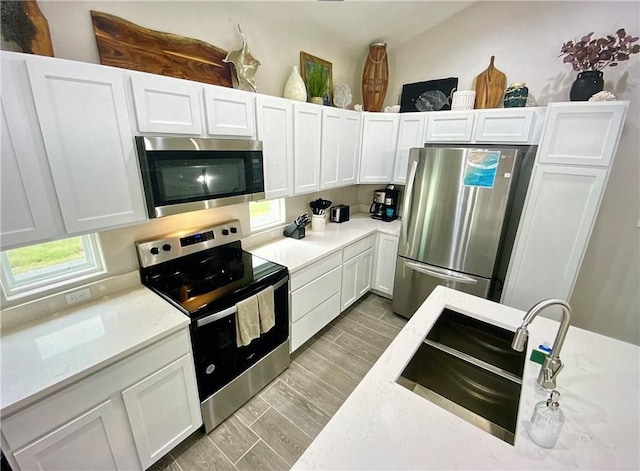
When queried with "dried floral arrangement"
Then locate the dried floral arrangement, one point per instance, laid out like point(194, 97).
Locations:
point(596, 54)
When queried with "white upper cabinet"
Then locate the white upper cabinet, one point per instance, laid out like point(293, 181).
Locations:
point(340, 152)
point(85, 125)
point(167, 104)
point(450, 126)
point(411, 133)
point(508, 125)
point(307, 131)
point(275, 130)
point(229, 112)
point(379, 140)
point(582, 133)
point(28, 204)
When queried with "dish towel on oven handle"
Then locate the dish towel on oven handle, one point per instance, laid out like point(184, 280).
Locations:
point(247, 321)
point(267, 310)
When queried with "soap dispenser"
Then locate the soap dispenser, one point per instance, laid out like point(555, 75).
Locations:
point(547, 421)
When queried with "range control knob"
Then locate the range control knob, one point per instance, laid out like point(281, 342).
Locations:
point(234, 230)
point(166, 247)
point(154, 251)
point(225, 232)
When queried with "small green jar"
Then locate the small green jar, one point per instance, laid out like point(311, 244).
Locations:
point(516, 95)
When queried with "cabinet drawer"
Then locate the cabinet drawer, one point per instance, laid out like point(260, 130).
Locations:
point(312, 294)
point(316, 270)
point(302, 330)
point(358, 247)
point(57, 409)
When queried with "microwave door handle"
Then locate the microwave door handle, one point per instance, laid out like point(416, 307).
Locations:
point(231, 310)
point(443, 275)
point(407, 200)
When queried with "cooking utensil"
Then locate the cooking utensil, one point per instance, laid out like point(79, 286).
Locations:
point(319, 206)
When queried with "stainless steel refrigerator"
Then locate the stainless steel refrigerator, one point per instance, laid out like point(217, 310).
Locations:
point(459, 218)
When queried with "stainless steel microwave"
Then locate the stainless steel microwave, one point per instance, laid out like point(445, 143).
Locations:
point(181, 174)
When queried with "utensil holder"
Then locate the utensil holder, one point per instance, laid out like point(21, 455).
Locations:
point(463, 100)
point(318, 222)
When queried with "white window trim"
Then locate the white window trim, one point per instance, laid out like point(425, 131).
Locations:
point(271, 224)
point(55, 279)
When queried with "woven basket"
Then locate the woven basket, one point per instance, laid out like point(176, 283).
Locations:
point(375, 78)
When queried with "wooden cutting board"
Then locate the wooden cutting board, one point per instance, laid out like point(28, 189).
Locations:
point(489, 86)
point(129, 46)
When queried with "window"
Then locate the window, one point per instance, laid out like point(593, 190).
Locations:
point(267, 213)
point(52, 263)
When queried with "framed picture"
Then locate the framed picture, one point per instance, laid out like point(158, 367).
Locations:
point(307, 62)
point(432, 95)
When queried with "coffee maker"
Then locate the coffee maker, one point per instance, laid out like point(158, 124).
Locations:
point(385, 204)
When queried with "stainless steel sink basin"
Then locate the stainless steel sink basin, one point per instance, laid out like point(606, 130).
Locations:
point(467, 367)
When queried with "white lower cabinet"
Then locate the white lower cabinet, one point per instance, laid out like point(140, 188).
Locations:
point(357, 270)
point(315, 298)
point(385, 268)
point(90, 441)
point(125, 417)
point(161, 409)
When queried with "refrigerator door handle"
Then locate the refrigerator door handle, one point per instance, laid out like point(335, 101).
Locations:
point(440, 273)
point(407, 200)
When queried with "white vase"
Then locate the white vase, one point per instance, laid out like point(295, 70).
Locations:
point(294, 88)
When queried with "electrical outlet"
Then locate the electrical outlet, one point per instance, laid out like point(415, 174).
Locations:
point(78, 296)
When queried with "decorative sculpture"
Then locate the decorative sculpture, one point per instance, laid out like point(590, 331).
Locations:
point(244, 64)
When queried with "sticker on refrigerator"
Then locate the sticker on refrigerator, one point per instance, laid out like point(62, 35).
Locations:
point(481, 168)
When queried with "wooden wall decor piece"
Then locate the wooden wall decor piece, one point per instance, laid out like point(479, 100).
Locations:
point(41, 44)
point(129, 46)
point(489, 86)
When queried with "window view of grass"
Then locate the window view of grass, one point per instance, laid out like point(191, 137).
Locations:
point(27, 259)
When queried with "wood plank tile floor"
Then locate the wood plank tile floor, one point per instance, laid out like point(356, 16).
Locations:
point(272, 430)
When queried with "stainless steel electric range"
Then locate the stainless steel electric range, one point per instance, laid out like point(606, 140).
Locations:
point(204, 273)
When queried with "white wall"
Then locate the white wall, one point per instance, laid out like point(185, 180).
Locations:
point(526, 37)
point(276, 45)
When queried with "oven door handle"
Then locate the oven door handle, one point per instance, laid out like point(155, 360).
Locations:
point(230, 310)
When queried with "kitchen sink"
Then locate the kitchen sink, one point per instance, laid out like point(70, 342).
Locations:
point(467, 367)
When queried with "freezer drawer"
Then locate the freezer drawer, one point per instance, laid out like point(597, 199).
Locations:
point(415, 281)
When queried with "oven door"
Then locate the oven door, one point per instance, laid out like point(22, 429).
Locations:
point(218, 359)
point(189, 174)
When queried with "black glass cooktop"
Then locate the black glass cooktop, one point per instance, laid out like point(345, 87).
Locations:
point(211, 280)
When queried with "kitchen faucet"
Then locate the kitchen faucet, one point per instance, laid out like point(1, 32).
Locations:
point(552, 364)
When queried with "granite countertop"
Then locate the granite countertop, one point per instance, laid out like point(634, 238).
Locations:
point(296, 254)
point(44, 356)
point(382, 425)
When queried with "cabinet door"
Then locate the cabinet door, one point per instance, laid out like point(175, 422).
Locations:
point(364, 273)
point(85, 124)
point(87, 442)
point(167, 105)
point(307, 127)
point(229, 112)
point(379, 140)
point(349, 290)
point(330, 149)
point(28, 209)
point(450, 126)
point(411, 133)
point(349, 155)
point(163, 409)
point(557, 220)
point(511, 125)
point(275, 130)
point(386, 255)
point(582, 133)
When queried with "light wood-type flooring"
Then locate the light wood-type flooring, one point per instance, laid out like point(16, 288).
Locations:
point(273, 429)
